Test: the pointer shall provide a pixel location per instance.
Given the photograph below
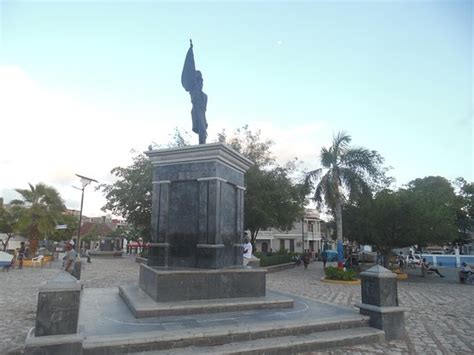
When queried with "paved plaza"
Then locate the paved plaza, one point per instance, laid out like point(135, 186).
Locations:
point(440, 320)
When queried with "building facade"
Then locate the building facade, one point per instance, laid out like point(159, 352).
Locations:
point(305, 235)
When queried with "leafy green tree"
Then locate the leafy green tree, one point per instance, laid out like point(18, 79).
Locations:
point(72, 224)
point(251, 145)
point(423, 213)
point(388, 221)
point(272, 198)
point(43, 207)
point(438, 206)
point(131, 194)
point(9, 223)
point(346, 172)
point(465, 213)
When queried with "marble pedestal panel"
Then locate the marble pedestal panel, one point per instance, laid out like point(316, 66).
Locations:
point(197, 207)
point(169, 285)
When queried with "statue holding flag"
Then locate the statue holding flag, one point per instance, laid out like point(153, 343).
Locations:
point(191, 79)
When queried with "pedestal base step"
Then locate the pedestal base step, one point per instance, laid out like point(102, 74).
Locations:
point(287, 345)
point(142, 305)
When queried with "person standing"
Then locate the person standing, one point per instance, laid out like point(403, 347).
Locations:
point(247, 251)
point(69, 258)
point(325, 259)
point(21, 255)
point(306, 259)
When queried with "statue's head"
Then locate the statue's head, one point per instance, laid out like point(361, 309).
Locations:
point(199, 79)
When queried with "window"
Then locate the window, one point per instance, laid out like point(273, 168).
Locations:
point(282, 244)
point(292, 245)
point(310, 227)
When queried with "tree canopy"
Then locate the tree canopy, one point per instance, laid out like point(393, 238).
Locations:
point(44, 206)
point(465, 214)
point(423, 213)
point(272, 198)
point(131, 194)
point(9, 222)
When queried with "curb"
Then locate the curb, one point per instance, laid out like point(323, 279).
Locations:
point(340, 282)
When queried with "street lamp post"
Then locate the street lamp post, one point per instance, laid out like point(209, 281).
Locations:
point(84, 181)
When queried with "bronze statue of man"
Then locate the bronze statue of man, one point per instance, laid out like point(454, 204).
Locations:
point(191, 79)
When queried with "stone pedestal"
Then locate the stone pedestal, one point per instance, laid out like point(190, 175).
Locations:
point(196, 249)
point(165, 285)
point(380, 302)
point(197, 207)
point(58, 306)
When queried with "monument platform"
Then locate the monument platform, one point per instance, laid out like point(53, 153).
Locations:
point(142, 305)
point(107, 326)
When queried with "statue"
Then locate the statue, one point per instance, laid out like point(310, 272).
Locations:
point(191, 79)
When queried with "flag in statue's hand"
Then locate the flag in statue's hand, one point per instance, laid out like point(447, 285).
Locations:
point(188, 77)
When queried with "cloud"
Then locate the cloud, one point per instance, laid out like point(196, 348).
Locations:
point(48, 135)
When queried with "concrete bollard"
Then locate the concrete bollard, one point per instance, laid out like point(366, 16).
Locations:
point(380, 302)
point(58, 306)
point(57, 316)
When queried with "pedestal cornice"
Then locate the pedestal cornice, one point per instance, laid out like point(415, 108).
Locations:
point(200, 153)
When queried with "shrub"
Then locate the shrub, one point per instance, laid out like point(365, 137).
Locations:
point(275, 259)
point(333, 273)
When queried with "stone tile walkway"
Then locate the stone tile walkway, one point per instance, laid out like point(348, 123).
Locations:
point(441, 320)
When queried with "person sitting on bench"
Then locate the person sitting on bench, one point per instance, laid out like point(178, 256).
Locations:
point(429, 268)
point(465, 273)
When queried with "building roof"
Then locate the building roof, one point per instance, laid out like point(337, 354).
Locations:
point(102, 229)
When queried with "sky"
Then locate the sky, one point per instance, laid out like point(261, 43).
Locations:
point(86, 85)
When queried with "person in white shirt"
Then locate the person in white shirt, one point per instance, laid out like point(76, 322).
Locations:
point(247, 250)
point(69, 258)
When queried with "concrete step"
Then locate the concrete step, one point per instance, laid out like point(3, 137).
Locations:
point(286, 345)
point(264, 333)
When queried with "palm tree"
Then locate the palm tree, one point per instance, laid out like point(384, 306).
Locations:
point(43, 206)
point(345, 171)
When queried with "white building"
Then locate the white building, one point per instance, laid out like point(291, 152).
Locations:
point(304, 235)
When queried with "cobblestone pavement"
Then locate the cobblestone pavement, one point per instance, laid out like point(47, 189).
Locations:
point(440, 320)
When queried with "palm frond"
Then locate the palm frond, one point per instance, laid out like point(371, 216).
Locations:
point(313, 175)
point(354, 183)
point(327, 158)
point(326, 191)
point(340, 143)
point(362, 159)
